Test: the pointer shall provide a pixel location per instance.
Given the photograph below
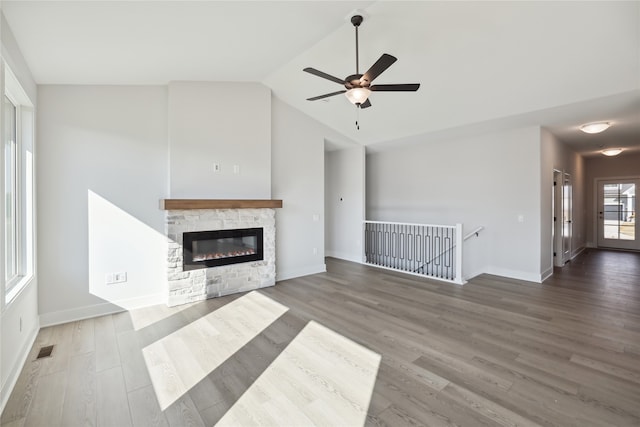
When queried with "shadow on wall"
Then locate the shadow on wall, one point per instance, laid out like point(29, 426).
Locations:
point(127, 258)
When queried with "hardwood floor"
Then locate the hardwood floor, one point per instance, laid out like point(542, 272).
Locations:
point(354, 346)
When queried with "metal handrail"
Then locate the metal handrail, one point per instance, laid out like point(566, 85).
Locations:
point(475, 232)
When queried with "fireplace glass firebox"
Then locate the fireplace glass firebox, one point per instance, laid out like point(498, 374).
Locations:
point(202, 249)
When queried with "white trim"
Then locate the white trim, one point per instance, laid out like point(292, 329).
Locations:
point(409, 223)
point(17, 289)
point(458, 253)
point(546, 274)
point(299, 272)
point(515, 274)
point(470, 276)
point(97, 310)
point(15, 370)
point(455, 282)
point(344, 256)
point(14, 89)
point(578, 252)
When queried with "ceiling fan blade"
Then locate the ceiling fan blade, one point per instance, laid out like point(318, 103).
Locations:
point(366, 104)
point(326, 95)
point(409, 87)
point(324, 75)
point(376, 69)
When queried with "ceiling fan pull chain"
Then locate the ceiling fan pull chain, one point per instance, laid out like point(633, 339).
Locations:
point(358, 116)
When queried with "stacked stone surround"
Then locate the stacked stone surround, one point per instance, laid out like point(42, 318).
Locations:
point(198, 285)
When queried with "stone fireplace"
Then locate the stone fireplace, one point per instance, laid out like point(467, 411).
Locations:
point(221, 230)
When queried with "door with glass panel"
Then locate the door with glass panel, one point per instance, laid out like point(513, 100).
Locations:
point(617, 213)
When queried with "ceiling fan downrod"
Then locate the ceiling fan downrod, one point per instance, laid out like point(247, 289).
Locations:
point(356, 20)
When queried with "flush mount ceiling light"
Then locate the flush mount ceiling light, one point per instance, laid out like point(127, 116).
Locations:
point(612, 151)
point(595, 127)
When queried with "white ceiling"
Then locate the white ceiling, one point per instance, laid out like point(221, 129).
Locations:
point(482, 65)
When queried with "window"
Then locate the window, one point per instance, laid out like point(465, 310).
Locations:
point(10, 194)
point(17, 177)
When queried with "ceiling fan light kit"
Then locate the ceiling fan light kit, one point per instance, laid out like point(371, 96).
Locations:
point(358, 86)
point(595, 127)
point(357, 96)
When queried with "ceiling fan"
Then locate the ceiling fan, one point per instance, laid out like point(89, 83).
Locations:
point(358, 86)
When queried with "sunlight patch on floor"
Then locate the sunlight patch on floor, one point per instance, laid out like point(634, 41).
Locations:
point(179, 361)
point(321, 378)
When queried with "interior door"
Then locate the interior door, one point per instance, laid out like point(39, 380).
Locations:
point(557, 219)
point(567, 217)
point(617, 210)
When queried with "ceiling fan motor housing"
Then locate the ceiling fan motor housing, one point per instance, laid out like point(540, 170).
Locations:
point(353, 81)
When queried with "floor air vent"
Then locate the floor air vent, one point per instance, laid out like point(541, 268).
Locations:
point(45, 352)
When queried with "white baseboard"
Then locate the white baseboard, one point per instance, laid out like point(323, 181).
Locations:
point(546, 274)
point(15, 370)
point(344, 256)
point(578, 252)
point(515, 274)
point(470, 276)
point(102, 309)
point(299, 272)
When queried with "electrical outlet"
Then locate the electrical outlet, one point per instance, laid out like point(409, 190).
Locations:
point(236, 169)
point(113, 278)
point(216, 167)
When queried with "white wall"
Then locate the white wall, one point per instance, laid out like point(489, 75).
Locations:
point(108, 153)
point(103, 169)
point(556, 155)
point(623, 165)
point(344, 174)
point(19, 321)
point(297, 177)
point(13, 57)
point(487, 180)
point(224, 123)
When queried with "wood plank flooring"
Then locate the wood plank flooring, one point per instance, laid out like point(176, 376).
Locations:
point(356, 346)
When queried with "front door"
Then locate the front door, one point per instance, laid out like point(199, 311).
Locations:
point(617, 211)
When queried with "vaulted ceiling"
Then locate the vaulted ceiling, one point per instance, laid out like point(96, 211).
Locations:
point(482, 66)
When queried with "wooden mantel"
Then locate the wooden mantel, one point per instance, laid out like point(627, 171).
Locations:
point(177, 204)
